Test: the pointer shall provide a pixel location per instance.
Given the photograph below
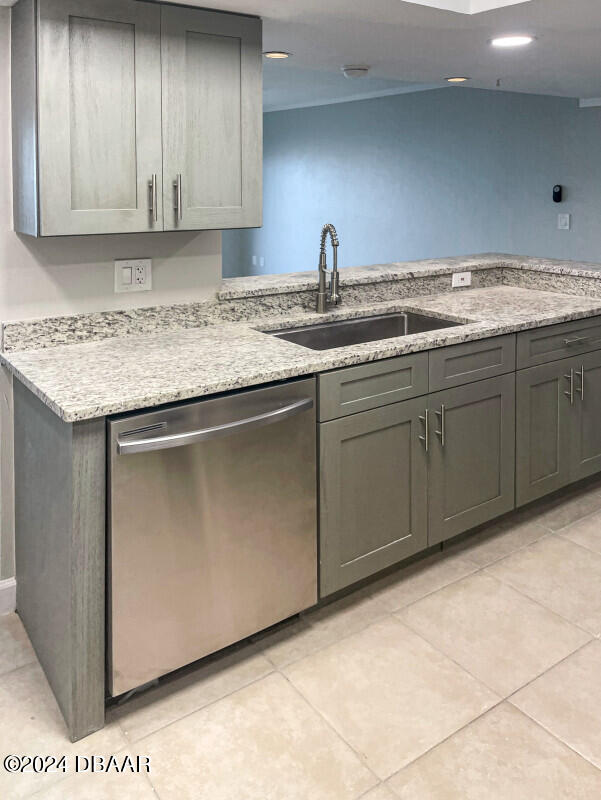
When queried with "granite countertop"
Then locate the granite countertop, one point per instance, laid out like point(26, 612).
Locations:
point(97, 378)
point(261, 285)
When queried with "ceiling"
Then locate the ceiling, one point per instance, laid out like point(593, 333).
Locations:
point(415, 45)
point(418, 45)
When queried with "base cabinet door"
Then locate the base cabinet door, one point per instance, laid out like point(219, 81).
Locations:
point(585, 416)
point(373, 492)
point(543, 419)
point(472, 447)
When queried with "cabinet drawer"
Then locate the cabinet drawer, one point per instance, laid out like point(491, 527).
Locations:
point(558, 341)
point(379, 383)
point(472, 361)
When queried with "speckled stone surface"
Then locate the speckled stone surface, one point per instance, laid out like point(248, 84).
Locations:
point(53, 331)
point(125, 373)
point(236, 288)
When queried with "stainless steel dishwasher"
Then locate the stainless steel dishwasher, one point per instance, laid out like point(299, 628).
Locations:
point(212, 526)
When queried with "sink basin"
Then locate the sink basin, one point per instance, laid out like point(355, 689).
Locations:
point(366, 329)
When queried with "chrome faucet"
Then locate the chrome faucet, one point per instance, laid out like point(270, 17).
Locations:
point(323, 298)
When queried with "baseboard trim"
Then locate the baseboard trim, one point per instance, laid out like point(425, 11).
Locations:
point(8, 595)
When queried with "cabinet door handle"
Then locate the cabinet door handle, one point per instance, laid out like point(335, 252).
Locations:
point(154, 198)
point(441, 432)
point(580, 389)
point(576, 340)
point(178, 207)
point(426, 437)
point(570, 393)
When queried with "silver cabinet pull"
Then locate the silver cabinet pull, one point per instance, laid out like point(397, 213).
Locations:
point(426, 437)
point(576, 340)
point(570, 393)
point(154, 198)
point(441, 432)
point(581, 340)
point(580, 389)
point(178, 207)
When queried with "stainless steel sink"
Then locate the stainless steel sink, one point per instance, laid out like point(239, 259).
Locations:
point(366, 329)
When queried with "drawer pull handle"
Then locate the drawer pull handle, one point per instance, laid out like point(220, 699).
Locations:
point(581, 340)
point(576, 340)
point(441, 432)
point(570, 393)
point(426, 437)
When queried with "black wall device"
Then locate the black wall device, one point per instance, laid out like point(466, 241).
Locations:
point(557, 193)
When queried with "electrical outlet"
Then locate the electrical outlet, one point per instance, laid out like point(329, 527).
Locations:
point(133, 275)
point(564, 222)
point(461, 279)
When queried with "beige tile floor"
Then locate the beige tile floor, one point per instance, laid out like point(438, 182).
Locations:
point(471, 674)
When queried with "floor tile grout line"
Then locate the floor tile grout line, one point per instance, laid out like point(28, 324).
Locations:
point(450, 658)
point(362, 758)
point(34, 663)
point(578, 519)
point(591, 638)
point(472, 722)
point(446, 739)
point(465, 555)
point(379, 618)
point(585, 546)
point(554, 735)
point(272, 671)
point(542, 605)
point(542, 674)
point(427, 594)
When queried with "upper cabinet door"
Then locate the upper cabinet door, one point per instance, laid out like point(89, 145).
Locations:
point(212, 119)
point(99, 95)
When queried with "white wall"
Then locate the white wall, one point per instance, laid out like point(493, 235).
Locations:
point(75, 274)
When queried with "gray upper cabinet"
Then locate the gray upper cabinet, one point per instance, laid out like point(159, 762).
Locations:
point(212, 110)
point(115, 101)
point(372, 492)
point(472, 449)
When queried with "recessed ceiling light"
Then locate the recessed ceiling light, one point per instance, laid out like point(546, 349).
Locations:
point(277, 54)
point(456, 80)
point(355, 70)
point(512, 41)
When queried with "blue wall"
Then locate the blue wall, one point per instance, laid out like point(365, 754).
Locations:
point(437, 173)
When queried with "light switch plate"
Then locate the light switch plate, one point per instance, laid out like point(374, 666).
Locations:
point(133, 274)
point(461, 279)
point(564, 222)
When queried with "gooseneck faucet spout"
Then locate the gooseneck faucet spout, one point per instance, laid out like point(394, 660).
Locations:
point(323, 299)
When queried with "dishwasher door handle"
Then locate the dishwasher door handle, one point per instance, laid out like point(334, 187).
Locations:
point(205, 434)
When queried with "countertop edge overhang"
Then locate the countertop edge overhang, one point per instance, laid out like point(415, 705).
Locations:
point(114, 375)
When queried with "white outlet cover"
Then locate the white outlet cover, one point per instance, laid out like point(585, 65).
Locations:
point(564, 222)
point(133, 275)
point(461, 279)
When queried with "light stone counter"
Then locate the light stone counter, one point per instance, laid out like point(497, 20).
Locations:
point(97, 378)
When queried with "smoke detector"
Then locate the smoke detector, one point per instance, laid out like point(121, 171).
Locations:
point(355, 71)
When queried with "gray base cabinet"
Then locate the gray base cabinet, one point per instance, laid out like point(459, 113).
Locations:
point(585, 427)
point(558, 431)
point(372, 492)
point(542, 431)
point(471, 456)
